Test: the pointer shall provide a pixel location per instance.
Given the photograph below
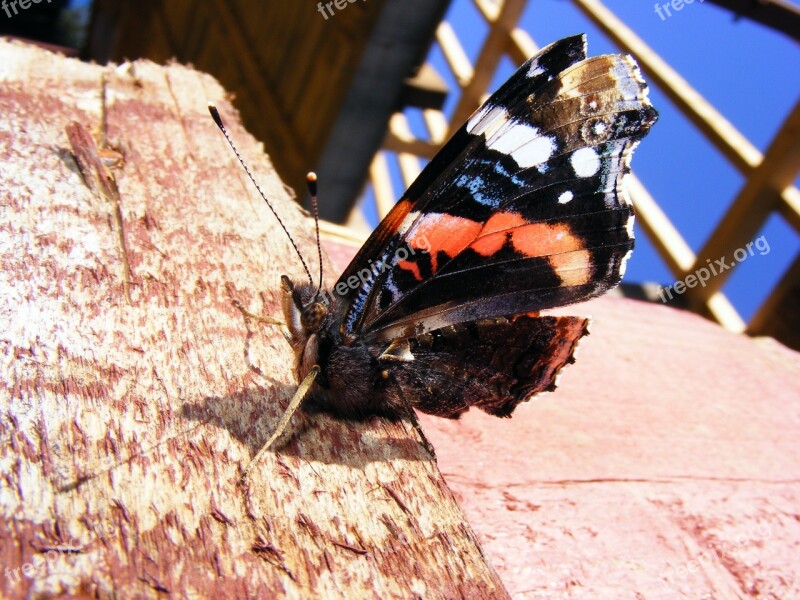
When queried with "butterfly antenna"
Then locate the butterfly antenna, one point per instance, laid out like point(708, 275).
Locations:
point(218, 120)
point(311, 180)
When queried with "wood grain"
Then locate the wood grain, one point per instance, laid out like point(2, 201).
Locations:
point(126, 422)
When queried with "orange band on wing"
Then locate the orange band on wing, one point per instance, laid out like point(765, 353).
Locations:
point(565, 251)
point(411, 266)
point(443, 233)
point(495, 232)
point(542, 239)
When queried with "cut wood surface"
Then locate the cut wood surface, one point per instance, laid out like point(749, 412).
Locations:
point(133, 392)
point(665, 466)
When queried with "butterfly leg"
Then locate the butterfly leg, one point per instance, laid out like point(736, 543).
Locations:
point(299, 396)
point(266, 320)
point(412, 417)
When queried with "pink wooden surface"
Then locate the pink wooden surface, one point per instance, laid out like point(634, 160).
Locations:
point(665, 465)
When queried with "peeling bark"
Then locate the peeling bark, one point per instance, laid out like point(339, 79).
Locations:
point(133, 391)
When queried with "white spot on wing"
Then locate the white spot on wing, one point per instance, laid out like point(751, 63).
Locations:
point(623, 264)
point(535, 152)
point(585, 162)
point(535, 70)
point(565, 197)
point(477, 117)
point(517, 134)
point(524, 144)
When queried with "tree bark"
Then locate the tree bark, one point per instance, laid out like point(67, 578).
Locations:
point(133, 392)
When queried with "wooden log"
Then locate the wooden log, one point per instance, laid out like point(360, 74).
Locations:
point(133, 392)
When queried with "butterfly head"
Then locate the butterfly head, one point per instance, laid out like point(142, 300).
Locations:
point(303, 308)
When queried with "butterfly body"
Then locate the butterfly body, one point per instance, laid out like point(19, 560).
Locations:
point(352, 380)
point(522, 210)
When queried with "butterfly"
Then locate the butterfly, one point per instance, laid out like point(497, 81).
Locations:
point(522, 210)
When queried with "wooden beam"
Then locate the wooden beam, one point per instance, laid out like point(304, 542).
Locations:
point(779, 15)
point(490, 9)
point(521, 46)
point(759, 196)
point(399, 139)
point(357, 223)
point(382, 184)
point(345, 234)
point(426, 89)
point(790, 207)
point(667, 240)
point(501, 24)
point(678, 256)
point(723, 312)
point(778, 316)
point(130, 422)
point(436, 123)
point(410, 166)
point(399, 39)
point(454, 53)
point(412, 146)
point(291, 158)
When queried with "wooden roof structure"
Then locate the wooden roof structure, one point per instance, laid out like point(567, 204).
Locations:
point(768, 188)
point(280, 78)
point(316, 83)
point(288, 65)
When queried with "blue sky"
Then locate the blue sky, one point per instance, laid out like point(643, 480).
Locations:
point(748, 72)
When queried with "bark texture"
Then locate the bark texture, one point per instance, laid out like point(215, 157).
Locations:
point(133, 392)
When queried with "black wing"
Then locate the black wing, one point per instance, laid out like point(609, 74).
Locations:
point(492, 364)
point(523, 209)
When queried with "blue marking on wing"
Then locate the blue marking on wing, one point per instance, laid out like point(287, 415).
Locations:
point(481, 189)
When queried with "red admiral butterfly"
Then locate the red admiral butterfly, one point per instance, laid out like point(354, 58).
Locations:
point(522, 210)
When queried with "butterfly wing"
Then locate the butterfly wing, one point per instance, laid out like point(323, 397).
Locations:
point(523, 209)
point(493, 364)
